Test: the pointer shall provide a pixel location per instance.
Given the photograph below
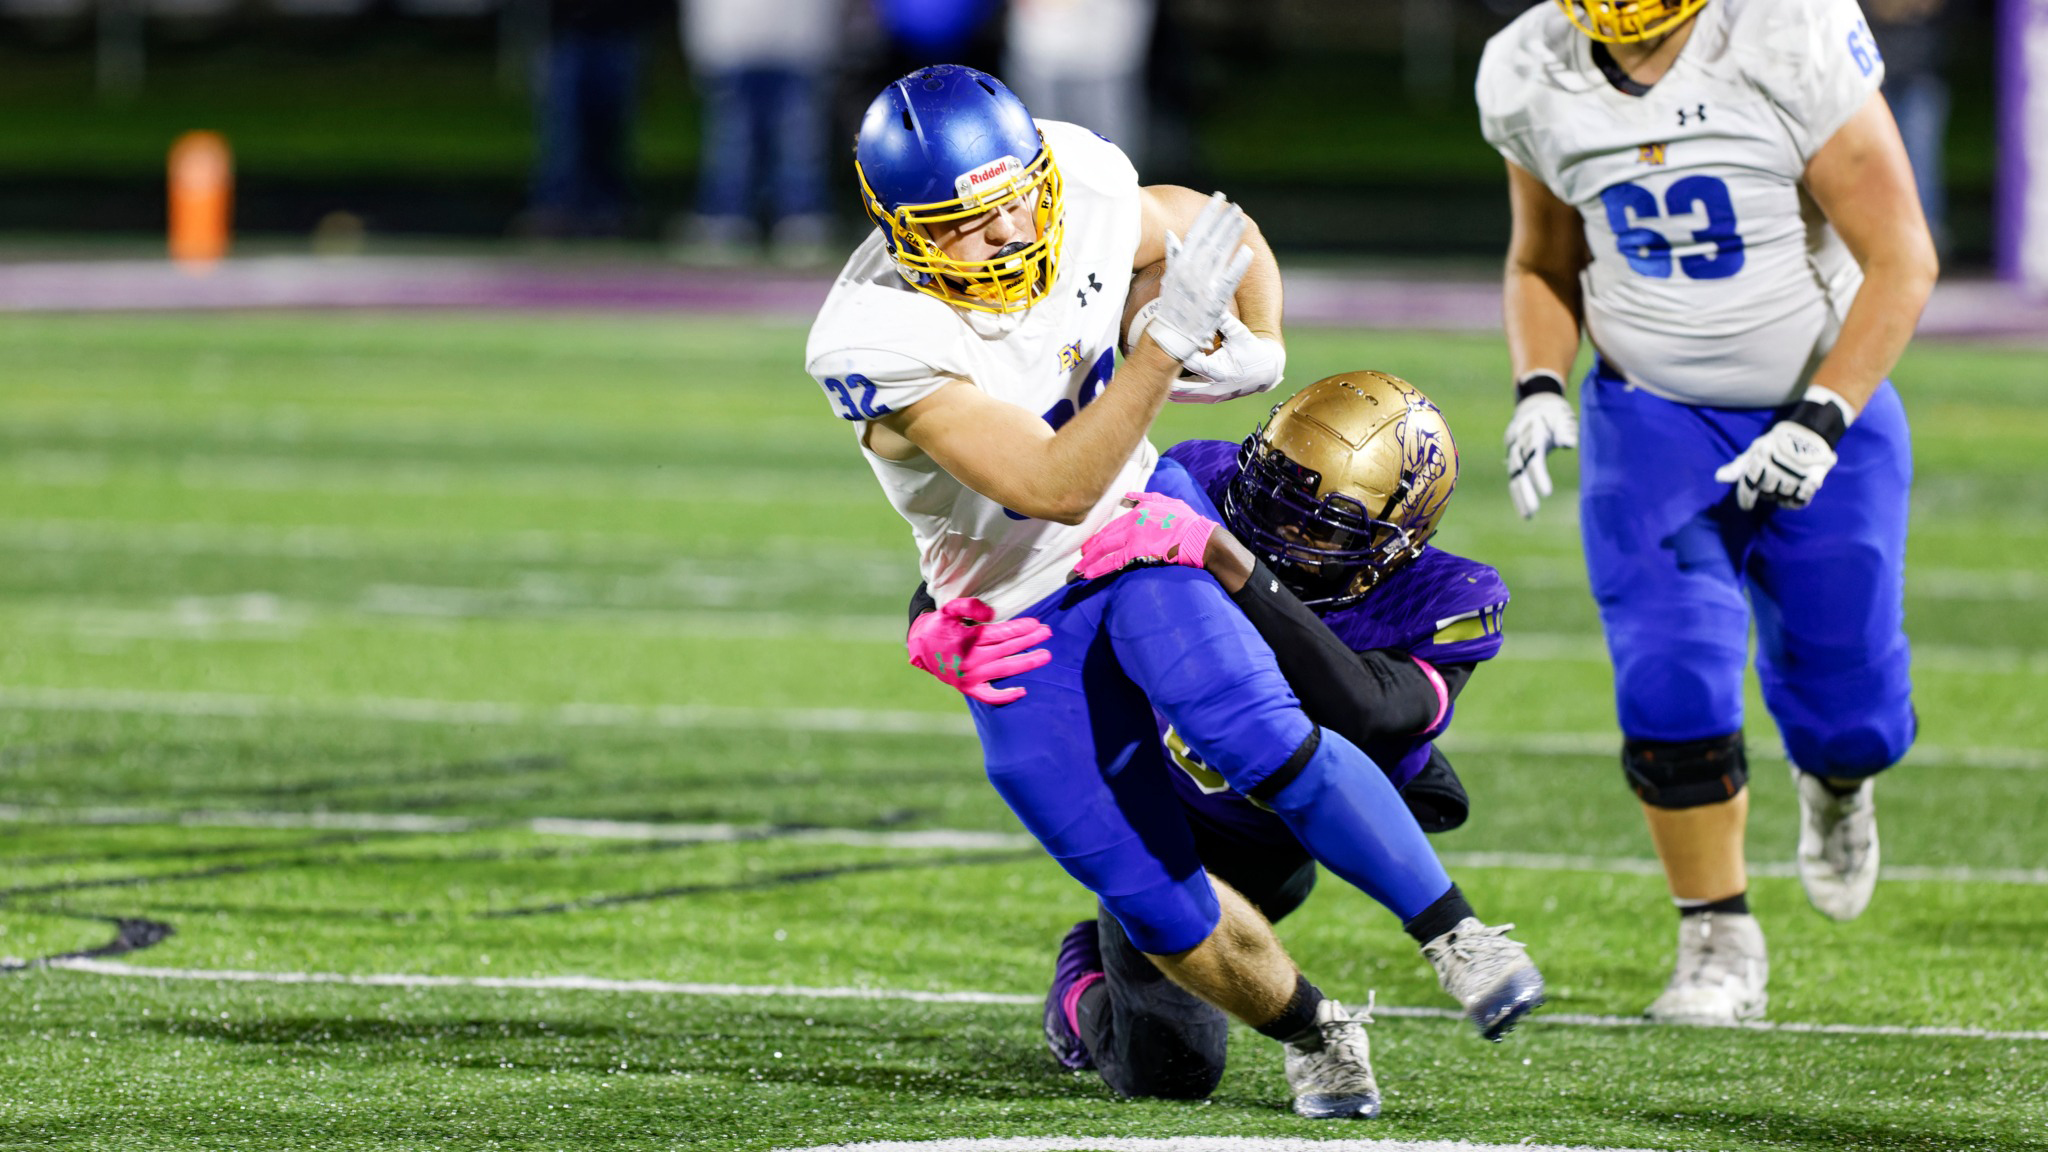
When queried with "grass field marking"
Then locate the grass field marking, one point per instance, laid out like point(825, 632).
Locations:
point(1187, 1144)
point(921, 838)
point(844, 720)
point(486, 712)
point(340, 543)
point(788, 991)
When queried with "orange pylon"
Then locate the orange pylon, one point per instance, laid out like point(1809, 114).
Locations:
point(202, 199)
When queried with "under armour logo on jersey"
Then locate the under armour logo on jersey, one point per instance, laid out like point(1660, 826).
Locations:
point(1094, 285)
point(1685, 117)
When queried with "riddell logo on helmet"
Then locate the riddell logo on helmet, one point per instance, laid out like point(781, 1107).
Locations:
point(988, 181)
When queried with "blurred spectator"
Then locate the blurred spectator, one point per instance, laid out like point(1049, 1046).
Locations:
point(1913, 36)
point(585, 86)
point(762, 66)
point(1083, 61)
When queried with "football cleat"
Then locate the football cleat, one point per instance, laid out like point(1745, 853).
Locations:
point(1721, 972)
point(1330, 1070)
point(1837, 846)
point(1491, 975)
point(1078, 968)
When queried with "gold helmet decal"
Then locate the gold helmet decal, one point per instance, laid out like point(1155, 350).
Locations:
point(1343, 484)
point(1627, 21)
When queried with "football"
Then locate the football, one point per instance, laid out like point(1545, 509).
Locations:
point(1144, 290)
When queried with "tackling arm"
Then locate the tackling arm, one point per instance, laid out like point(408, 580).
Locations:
point(1863, 182)
point(1366, 697)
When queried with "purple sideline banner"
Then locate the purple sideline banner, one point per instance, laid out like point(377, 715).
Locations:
point(2022, 208)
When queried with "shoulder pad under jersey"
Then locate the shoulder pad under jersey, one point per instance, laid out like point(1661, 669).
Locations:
point(1442, 607)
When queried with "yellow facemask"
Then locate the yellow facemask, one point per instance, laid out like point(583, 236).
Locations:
point(1009, 283)
point(1628, 21)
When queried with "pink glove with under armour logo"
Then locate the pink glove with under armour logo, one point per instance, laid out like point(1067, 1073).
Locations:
point(958, 645)
point(1157, 530)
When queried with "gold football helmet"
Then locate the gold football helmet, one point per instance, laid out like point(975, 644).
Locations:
point(1343, 484)
point(1627, 21)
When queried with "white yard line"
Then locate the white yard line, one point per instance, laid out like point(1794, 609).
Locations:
point(846, 720)
point(1190, 1144)
point(781, 991)
point(946, 839)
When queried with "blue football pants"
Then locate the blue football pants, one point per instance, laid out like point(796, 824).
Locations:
point(1679, 571)
point(1080, 761)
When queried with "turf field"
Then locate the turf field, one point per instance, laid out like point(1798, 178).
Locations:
point(513, 707)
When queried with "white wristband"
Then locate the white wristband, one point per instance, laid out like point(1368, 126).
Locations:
point(1817, 394)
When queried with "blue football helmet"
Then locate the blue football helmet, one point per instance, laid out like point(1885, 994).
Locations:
point(1343, 484)
point(947, 143)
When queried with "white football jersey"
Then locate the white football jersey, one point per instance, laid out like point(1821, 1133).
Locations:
point(878, 346)
point(1714, 279)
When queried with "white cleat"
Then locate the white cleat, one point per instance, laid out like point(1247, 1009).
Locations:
point(1721, 972)
point(1331, 1071)
point(1837, 846)
point(1491, 975)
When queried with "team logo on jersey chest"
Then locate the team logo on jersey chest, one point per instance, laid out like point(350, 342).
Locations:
point(1070, 357)
point(1651, 154)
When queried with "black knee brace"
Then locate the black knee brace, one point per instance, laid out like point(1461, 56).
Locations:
point(1691, 774)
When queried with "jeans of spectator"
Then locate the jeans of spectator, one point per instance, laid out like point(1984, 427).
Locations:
point(1920, 102)
point(764, 139)
point(586, 90)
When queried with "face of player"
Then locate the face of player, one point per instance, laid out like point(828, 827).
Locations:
point(996, 233)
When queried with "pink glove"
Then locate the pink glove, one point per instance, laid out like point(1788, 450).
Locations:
point(958, 645)
point(1157, 530)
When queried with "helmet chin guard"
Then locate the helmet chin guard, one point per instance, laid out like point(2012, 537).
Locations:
point(944, 145)
point(1628, 21)
point(1343, 484)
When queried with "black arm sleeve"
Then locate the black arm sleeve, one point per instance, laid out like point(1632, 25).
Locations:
point(921, 602)
point(1362, 696)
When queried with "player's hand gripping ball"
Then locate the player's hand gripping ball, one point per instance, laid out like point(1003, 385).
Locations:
point(959, 645)
point(1158, 530)
point(1234, 362)
point(1198, 286)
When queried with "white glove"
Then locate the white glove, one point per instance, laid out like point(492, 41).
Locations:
point(1245, 364)
point(1784, 466)
point(1201, 279)
point(1543, 422)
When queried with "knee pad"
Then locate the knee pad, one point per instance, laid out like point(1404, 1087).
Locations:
point(1686, 774)
point(1855, 751)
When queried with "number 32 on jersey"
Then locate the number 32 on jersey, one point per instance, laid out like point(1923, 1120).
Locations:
point(855, 398)
point(1648, 250)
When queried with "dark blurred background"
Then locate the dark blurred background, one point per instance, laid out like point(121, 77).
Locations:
point(722, 130)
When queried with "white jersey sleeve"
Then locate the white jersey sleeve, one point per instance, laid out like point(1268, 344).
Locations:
point(1815, 59)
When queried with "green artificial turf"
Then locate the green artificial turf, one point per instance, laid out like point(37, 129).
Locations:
point(316, 631)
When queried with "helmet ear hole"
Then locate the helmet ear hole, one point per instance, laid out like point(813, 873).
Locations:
point(907, 125)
